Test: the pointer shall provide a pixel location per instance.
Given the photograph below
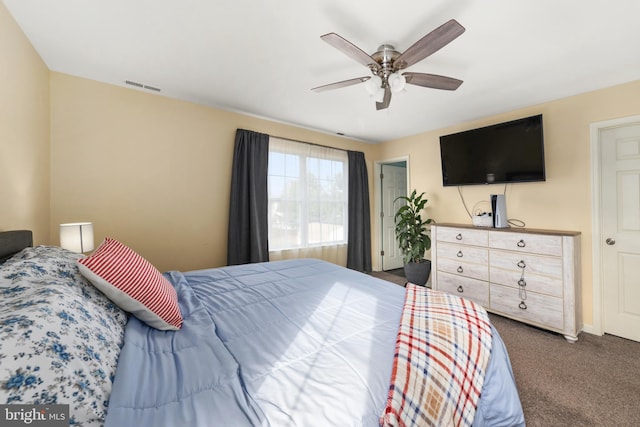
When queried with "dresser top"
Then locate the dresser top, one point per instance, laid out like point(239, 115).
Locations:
point(512, 229)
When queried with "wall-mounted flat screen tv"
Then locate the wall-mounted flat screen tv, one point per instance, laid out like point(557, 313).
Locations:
point(502, 153)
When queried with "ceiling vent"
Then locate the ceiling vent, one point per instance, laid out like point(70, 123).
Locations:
point(142, 86)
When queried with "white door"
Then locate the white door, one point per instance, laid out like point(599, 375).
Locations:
point(620, 178)
point(393, 184)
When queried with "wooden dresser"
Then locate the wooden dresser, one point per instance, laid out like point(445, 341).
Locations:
point(525, 274)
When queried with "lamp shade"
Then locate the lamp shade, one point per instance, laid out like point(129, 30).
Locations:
point(397, 82)
point(379, 95)
point(77, 236)
point(373, 85)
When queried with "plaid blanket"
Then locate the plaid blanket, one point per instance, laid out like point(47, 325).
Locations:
point(442, 351)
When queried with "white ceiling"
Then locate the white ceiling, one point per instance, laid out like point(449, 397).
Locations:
point(262, 57)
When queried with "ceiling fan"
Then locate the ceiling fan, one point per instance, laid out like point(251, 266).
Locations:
point(386, 64)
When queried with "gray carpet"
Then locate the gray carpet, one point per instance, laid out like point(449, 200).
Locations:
point(594, 382)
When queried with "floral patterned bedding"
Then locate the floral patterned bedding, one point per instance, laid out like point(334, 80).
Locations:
point(60, 337)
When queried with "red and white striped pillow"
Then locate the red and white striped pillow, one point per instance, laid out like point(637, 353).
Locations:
point(133, 284)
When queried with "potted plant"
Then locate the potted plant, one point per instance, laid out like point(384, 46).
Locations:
point(413, 237)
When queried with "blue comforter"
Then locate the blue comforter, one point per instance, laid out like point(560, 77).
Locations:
point(287, 343)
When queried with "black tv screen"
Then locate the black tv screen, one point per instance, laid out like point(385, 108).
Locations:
point(502, 153)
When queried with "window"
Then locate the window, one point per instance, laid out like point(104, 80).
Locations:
point(307, 186)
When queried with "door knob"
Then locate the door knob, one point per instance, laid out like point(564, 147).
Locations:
point(610, 241)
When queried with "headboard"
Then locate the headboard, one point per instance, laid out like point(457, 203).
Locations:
point(12, 242)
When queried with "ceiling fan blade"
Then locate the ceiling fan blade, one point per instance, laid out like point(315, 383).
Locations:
point(338, 85)
point(349, 49)
point(386, 100)
point(432, 80)
point(429, 44)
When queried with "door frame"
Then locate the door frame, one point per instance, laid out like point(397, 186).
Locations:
point(377, 190)
point(596, 128)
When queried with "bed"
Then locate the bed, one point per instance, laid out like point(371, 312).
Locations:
point(286, 343)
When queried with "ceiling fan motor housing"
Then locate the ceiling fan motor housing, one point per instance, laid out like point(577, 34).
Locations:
point(385, 58)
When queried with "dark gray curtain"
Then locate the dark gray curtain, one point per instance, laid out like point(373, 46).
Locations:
point(359, 236)
point(248, 207)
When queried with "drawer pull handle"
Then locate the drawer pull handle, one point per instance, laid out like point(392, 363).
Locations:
point(460, 289)
point(459, 236)
point(521, 244)
point(521, 264)
point(459, 269)
point(522, 283)
point(459, 254)
point(522, 305)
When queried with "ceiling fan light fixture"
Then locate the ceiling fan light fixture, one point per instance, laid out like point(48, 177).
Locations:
point(397, 82)
point(379, 95)
point(373, 85)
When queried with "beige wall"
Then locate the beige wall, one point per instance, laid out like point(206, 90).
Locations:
point(24, 133)
point(151, 171)
point(563, 202)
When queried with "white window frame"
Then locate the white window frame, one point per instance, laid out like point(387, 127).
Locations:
point(305, 152)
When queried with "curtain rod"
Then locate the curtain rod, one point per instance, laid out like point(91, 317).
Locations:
point(306, 142)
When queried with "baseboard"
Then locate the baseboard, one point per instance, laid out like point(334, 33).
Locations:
point(590, 330)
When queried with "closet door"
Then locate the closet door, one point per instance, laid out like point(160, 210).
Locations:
point(621, 230)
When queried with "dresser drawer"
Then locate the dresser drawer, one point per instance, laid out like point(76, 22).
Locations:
point(463, 268)
point(465, 287)
point(534, 283)
point(463, 253)
point(524, 242)
point(542, 310)
point(463, 235)
point(533, 264)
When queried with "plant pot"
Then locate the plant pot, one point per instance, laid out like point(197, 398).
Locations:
point(418, 272)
